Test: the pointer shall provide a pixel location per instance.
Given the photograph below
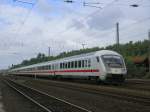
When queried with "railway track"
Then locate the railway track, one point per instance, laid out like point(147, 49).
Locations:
point(45, 101)
point(124, 94)
point(138, 81)
point(131, 95)
point(133, 84)
point(137, 84)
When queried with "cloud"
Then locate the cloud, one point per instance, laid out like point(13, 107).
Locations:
point(52, 24)
point(77, 24)
point(43, 7)
point(105, 19)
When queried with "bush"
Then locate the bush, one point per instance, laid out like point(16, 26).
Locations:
point(147, 76)
point(135, 71)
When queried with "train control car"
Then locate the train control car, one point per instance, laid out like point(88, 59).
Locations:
point(104, 65)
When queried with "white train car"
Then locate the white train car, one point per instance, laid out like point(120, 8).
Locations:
point(104, 65)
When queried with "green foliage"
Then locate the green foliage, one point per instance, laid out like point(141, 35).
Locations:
point(147, 76)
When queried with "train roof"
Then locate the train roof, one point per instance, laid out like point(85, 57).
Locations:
point(87, 55)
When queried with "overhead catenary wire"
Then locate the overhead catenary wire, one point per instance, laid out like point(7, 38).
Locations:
point(62, 32)
point(21, 1)
point(83, 19)
point(21, 25)
point(126, 27)
point(105, 7)
point(86, 17)
point(28, 13)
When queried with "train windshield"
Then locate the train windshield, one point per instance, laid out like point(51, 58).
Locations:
point(113, 61)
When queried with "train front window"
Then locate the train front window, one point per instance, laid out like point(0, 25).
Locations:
point(113, 61)
point(97, 58)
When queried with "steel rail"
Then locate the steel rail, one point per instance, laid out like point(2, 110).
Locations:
point(29, 98)
point(127, 97)
point(58, 99)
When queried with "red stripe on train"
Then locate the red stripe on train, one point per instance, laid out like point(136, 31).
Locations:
point(77, 71)
point(93, 70)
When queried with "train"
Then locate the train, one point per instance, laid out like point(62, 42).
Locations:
point(103, 65)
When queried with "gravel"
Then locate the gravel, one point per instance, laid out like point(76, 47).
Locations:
point(94, 102)
point(14, 102)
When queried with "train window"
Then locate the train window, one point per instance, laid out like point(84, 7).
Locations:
point(61, 65)
point(43, 67)
point(97, 58)
point(49, 67)
point(86, 63)
point(53, 67)
point(72, 64)
point(56, 66)
point(65, 65)
point(40, 68)
point(83, 63)
point(89, 62)
point(69, 64)
point(76, 64)
point(79, 63)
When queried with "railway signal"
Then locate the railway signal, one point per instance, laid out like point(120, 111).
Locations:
point(25, 2)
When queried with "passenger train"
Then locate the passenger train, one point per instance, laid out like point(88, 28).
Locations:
point(103, 65)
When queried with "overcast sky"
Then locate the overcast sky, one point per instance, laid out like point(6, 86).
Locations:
point(27, 29)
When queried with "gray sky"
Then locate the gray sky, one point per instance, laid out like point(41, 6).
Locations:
point(27, 29)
